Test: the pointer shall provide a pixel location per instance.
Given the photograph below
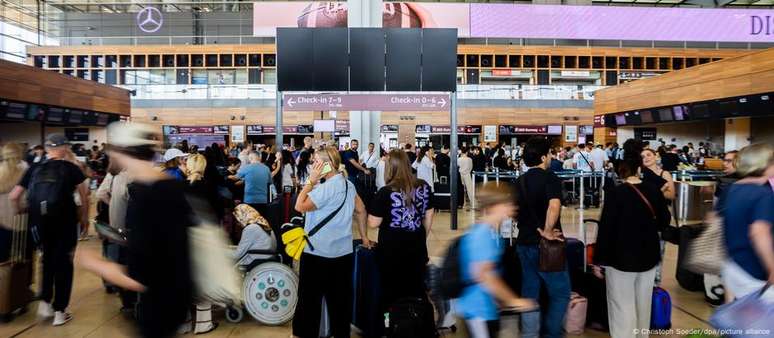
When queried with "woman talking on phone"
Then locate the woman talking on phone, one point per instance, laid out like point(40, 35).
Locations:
point(327, 261)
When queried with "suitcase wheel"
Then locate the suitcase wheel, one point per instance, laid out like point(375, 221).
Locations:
point(234, 314)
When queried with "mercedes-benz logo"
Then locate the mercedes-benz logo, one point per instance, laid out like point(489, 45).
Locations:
point(149, 20)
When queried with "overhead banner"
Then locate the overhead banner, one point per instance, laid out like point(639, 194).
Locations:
point(620, 23)
point(536, 21)
point(267, 16)
point(377, 102)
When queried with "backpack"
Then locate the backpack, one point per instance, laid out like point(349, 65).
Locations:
point(411, 317)
point(451, 282)
point(46, 195)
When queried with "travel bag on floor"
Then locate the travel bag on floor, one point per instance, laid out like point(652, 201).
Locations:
point(575, 320)
point(444, 315)
point(661, 310)
point(687, 279)
point(366, 314)
point(754, 311)
point(575, 252)
point(595, 291)
point(16, 272)
point(411, 317)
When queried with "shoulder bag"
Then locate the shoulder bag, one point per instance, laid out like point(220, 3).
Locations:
point(294, 236)
point(552, 254)
point(668, 233)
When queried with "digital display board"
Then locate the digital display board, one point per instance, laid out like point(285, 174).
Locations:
point(701, 111)
point(55, 114)
point(620, 119)
point(665, 115)
point(646, 116)
point(680, 112)
point(16, 110)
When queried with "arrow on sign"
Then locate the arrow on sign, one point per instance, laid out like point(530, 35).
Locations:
point(443, 103)
point(291, 102)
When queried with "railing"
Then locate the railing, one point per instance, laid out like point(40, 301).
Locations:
point(464, 92)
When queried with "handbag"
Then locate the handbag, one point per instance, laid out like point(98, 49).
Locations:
point(749, 316)
point(668, 233)
point(707, 253)
point(552, 256)
point(296, 239)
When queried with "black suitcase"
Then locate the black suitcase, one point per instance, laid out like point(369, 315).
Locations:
point(575, 249)
point(688, 280)
point(411, 317)
point(595, 291)
point(441, 196)
point(366, 313)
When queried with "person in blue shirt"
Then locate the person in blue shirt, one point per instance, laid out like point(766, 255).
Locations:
point(480, 253)
point(748, 215)
point(256, 177)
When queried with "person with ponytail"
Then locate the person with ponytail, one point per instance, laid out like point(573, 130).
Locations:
point(402, 212)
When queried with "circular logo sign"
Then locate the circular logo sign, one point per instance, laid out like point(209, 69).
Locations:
point(149, 20)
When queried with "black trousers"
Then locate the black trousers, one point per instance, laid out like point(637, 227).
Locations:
point(58, 248)
point(331, 278)
point(128, 297)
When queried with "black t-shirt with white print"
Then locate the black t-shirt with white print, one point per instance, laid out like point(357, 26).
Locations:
point(402, 232)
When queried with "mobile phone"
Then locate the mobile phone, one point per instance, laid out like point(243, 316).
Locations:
point(326, 168)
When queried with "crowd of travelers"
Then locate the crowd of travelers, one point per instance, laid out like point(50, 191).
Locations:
point(152, 196)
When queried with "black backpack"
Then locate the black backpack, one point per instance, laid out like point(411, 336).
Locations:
point(451, 282)
point(46, 196)
point(410, 318)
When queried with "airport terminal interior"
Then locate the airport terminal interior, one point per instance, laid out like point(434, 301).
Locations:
point(478, 95)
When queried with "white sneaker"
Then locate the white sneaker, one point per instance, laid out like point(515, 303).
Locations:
point(45, 310)
point(61, 317)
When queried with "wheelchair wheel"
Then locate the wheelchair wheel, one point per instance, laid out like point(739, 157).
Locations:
point(234, 314)
point(271, 293)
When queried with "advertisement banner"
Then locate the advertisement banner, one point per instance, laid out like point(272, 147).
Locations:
point(237, 134)
point(267, 16)
point(220, 130)
point(254, 130)
point(620, 23)
point(342, 127)
point(571, 134)
point(490, 133)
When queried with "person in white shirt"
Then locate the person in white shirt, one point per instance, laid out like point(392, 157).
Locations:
point(380, 171)
point(465, 166)
point(425, 166)
point(370, 158)
point(582, 159)
point(598, 157)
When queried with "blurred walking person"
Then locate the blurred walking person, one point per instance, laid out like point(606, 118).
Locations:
point(748, 215)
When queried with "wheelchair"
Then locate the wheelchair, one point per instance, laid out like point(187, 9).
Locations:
point(269, 289)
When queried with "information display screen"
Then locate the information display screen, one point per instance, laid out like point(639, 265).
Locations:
point(324, 126)
point(555, 130)
point(75, 116)
point(55, 114)
point(102, 119)
point(633, 118)
point(620, 119)
point(665, 115)
point(16, 110)
point(701, 111)
point(646, 116)
point(681, 113)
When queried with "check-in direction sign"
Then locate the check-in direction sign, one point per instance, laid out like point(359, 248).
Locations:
point(382, 102)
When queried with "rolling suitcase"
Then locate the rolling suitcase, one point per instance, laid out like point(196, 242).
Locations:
point(16, 272)
point(687, 279)
point(575, 251)
point(366, 313)
point(595, 291)
point(661, 310)
point(441, 195)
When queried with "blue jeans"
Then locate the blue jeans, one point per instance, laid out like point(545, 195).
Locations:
point(558, 286)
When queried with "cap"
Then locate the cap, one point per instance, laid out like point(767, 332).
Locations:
point(56, 140)
point(173, 154)
point(129, 134)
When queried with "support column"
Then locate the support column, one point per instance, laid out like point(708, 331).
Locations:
point(737, 133)
point(364, 126)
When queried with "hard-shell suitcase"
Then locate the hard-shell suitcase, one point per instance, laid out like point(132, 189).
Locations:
point(575, 253)
point(661, 310)
point(366, 314)
point(16, 272)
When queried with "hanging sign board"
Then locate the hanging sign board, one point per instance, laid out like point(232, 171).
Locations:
point(382, 102)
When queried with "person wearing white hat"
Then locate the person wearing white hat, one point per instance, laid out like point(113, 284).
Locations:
point(174, 163)
point(157, 217)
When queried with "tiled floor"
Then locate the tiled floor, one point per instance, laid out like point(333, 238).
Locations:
point(96, 314)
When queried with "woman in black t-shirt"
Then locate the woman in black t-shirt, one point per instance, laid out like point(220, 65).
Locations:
point(653, 175)
point(401, 210)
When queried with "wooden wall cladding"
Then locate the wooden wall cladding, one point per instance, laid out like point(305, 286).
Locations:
point(742, 75)
point(28, 84)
